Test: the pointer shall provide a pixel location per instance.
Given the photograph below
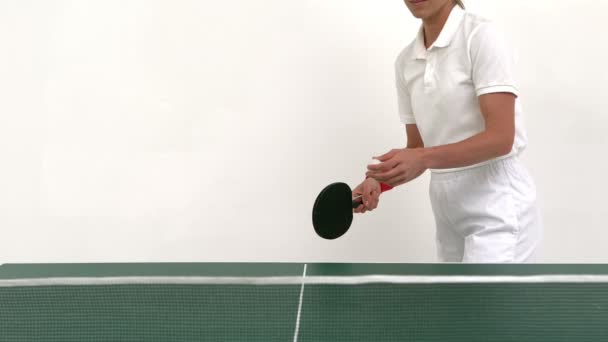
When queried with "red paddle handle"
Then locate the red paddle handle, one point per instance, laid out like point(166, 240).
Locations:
point(385, 187)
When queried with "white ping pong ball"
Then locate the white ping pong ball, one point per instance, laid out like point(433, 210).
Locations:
point(375, 162)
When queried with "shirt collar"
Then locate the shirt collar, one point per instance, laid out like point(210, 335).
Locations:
point(445, 37)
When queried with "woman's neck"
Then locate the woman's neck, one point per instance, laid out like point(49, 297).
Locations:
point(434, 24)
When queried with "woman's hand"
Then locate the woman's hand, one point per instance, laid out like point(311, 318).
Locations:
point(398, 166)
point(369, 191)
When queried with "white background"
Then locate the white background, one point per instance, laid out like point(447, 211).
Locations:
point(203, 130)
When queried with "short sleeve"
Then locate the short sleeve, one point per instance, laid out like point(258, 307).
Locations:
point(493, 62)
point(406, 114)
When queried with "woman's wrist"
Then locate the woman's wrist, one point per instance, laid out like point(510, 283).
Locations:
point(426, 156)
point(383, 186)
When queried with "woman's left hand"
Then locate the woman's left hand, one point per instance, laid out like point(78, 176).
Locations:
point(398, 166)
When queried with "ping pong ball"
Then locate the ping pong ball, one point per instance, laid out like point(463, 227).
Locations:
point(375, 162)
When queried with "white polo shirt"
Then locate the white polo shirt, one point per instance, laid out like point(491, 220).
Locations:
point(438, 87)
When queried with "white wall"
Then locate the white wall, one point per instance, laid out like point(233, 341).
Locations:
point(203, 130)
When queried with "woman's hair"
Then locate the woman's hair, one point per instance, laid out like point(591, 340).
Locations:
point(459, 3)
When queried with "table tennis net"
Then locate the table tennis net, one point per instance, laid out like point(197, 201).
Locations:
point(349, 308)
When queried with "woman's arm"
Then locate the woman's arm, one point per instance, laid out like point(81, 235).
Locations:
point(498, 110)
point(403, 165)
point(414, 140)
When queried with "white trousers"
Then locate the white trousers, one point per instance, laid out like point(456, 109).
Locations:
point(486, 214)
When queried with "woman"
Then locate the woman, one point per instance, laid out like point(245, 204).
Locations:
point(458, 101)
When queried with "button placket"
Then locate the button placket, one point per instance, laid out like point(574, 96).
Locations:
point(429, 71)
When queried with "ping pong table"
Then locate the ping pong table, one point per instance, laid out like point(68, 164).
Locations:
point(303, 302)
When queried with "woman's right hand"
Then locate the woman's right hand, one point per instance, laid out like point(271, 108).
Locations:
point(370, 192)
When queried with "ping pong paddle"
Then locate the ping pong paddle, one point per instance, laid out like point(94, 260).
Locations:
point(332, 213)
